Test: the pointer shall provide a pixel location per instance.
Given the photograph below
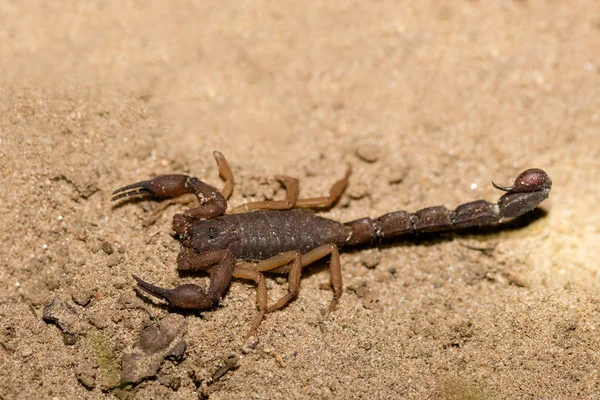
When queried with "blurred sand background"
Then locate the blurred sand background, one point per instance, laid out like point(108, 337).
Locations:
point(428, 101)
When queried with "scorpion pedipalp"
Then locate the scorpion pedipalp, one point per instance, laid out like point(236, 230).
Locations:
point(161, 187)
point(184, 296)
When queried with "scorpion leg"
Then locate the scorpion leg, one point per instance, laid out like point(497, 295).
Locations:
point(261, 294)
point(192, 296)
point(291, 196)
point(292, 262)
point(334, 194)
point(335, 269)
point(225, 173)
point(287, 262)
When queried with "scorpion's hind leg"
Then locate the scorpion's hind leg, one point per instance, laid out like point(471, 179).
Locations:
point(291, 196)
point(335, 268)
point(291, 199)
point(334, 194)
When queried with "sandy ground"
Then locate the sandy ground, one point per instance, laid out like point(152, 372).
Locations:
point(427, 102)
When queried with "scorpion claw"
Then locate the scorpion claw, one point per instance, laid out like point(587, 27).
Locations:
point(136, 189)
point(161, 187)
point(150, 288)
point(185, 296)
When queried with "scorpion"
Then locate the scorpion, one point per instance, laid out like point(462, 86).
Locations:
point(282, 236)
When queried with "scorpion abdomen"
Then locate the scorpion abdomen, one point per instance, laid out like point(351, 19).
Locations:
point(265, 233)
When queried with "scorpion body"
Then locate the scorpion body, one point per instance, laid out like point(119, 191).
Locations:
point(261, 234)
point(277, 238)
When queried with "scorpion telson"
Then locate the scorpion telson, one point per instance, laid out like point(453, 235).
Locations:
point(278, 237)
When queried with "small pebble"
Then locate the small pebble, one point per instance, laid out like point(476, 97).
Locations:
point(517, 279)
point(366, 345)
point(26, 351)
point(249, 188)
point(371, 301)
point(369, 152)
point(358, 190)
point(107, 248)
point(173, 382)
point(64, 315)
point(269, 193)
point(81, 295)
point(397, 171)
point(129, 301)
point(315, 166)
point(69, 339)
point(112, 260)
point(134, 368)
point(280, 280)
point(250, 345)
point(360, 290)
point(151, 340)
point(98, 319)
point(176, 352)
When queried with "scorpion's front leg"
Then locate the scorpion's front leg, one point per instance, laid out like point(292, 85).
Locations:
point(207, 201)
point(287, 262)
point(192, 296)
point(261, 295)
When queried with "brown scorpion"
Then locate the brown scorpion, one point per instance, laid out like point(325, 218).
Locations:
point(277, 237)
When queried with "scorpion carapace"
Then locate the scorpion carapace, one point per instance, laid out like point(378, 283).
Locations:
point(277, 237)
